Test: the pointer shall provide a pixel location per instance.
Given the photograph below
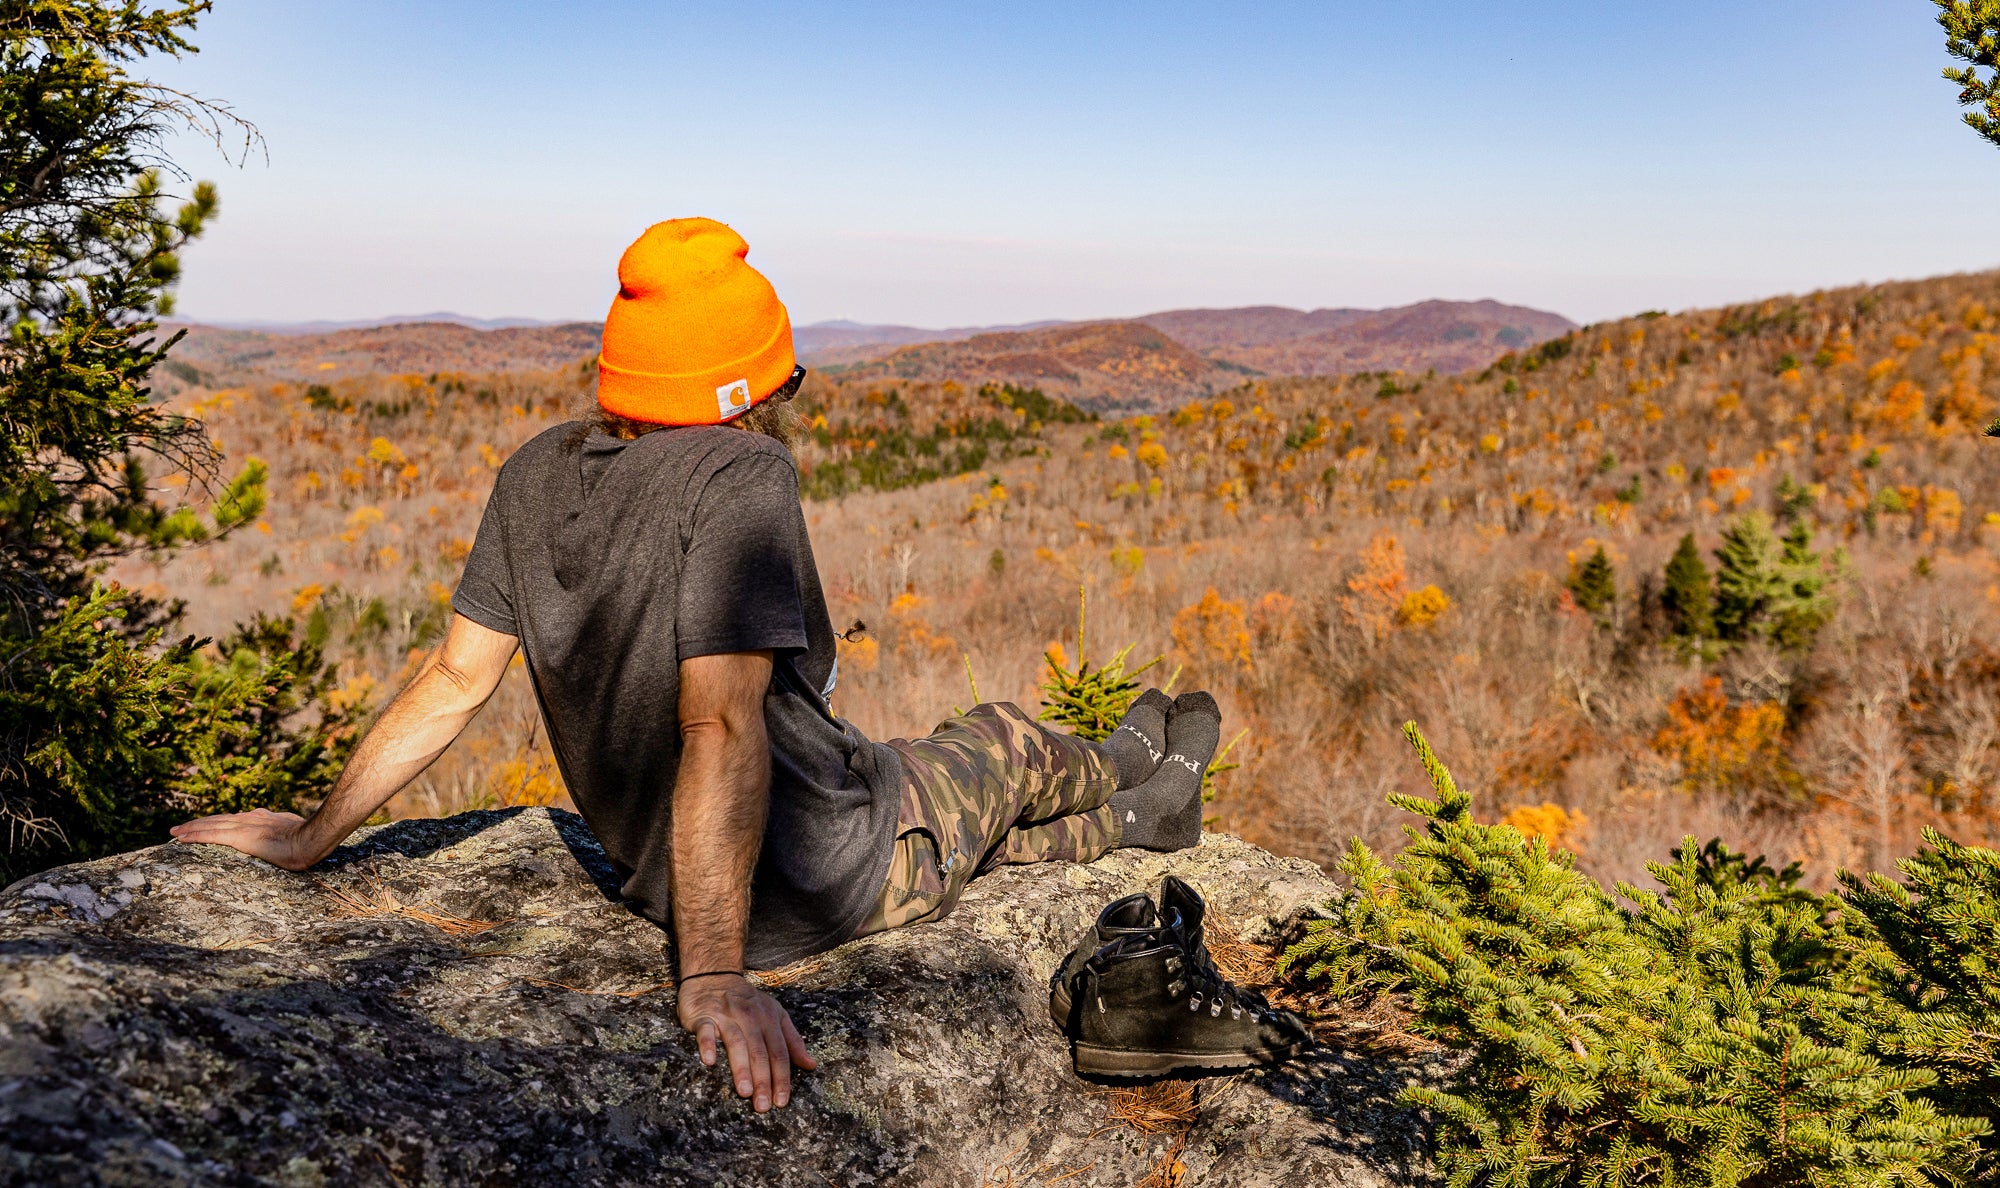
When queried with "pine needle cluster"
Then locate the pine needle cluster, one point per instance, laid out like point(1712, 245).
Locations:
point(1972, 35)
point(1090, 702)
point(1940, 946)
point(1725, 1029)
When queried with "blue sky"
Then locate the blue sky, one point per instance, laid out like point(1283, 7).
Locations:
point(946, 164)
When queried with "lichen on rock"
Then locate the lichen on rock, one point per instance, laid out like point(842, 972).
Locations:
point(464, 1001)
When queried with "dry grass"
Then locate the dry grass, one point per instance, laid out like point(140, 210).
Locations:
point(1001, 1174)
point(1380, 1022)
point(1248, 965)
point(1169, 1107)
point(1377, 1024)
point(241, 942)
point(785, 975)
point(377, 899)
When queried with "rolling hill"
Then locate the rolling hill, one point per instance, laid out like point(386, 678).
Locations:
point(1098, 365)
point(822, 344)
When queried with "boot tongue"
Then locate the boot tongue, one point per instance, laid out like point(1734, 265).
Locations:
point(1178, 898)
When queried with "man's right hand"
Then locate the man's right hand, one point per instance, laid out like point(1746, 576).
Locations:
point(756, 1032)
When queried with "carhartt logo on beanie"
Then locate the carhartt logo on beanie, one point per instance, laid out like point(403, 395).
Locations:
point(695, 336)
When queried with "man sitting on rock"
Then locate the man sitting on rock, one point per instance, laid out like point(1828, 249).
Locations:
point(652, 564)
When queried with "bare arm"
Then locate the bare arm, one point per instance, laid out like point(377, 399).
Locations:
point(455, 681)
point(721, 796)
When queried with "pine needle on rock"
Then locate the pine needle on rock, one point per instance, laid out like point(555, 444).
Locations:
point(379, 900)
point(1156, 1108)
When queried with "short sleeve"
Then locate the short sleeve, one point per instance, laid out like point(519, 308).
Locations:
point(739, 588)
point(485, 589)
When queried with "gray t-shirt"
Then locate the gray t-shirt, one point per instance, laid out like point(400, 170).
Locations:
point(613, 561)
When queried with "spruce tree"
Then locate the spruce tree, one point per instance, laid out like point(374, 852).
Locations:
point(106, 733)
point(1807, 602)
point(1764, 591)
point(1090, 702)
point(1594, 584)
point(1972, 35)
point(1747, 581)
point(1686, 596)
point(1717, 1032)
point(1940, 928)
point(1791, 500)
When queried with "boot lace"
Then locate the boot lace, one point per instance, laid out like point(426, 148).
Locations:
point(1193, 970)
point(1197, 976)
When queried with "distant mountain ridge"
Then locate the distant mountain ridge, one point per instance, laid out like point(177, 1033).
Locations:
point(1250, 325)
point(332, 327)
point(1099, 365)
point(1443, 336)
point(1177, 354)
point(218, 356)
point(842, 341)
point(1141, 362)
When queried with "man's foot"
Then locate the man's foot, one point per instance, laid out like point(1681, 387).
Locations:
point(1142, 998)
point(1164, 812)
point(1140, 741)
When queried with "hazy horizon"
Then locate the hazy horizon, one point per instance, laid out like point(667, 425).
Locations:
point(500, 321)
point(935, 168)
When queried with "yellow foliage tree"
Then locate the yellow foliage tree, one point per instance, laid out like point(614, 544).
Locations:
point(1421, 608)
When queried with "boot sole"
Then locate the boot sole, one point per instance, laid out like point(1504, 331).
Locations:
point(1119, 1062)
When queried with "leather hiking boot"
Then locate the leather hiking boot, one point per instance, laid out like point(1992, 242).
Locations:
point(1121, 920)
point(1148, 1000)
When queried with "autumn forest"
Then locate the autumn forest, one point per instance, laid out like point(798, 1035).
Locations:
point(1732, 573)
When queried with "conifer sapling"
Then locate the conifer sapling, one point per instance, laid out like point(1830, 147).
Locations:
point(1686, 594)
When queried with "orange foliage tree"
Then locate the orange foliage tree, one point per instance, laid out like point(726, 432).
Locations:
point(1725, 746)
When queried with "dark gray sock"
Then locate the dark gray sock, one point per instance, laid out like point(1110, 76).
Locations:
point(1164, 813)
point(1140, 741)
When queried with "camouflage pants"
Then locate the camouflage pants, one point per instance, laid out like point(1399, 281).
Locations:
point(986, 789)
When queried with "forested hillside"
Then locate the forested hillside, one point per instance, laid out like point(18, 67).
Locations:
point(1493, 554)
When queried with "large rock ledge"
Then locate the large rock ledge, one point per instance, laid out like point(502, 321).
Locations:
point(186, 1015)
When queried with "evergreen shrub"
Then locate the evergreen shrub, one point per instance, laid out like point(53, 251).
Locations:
point(1729, 1028)
point(107, 731)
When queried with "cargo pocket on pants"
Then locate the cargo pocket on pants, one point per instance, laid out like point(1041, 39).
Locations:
point(917, 885)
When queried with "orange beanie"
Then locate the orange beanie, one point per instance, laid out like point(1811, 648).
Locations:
point(695, 336)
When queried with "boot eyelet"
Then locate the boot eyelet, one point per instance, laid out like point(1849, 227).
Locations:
point(1236, 1012)
point(1175, 988)
point(1215, 1009)
point(1194, 1002)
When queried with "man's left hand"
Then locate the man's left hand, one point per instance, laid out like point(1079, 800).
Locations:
point(260, 833)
